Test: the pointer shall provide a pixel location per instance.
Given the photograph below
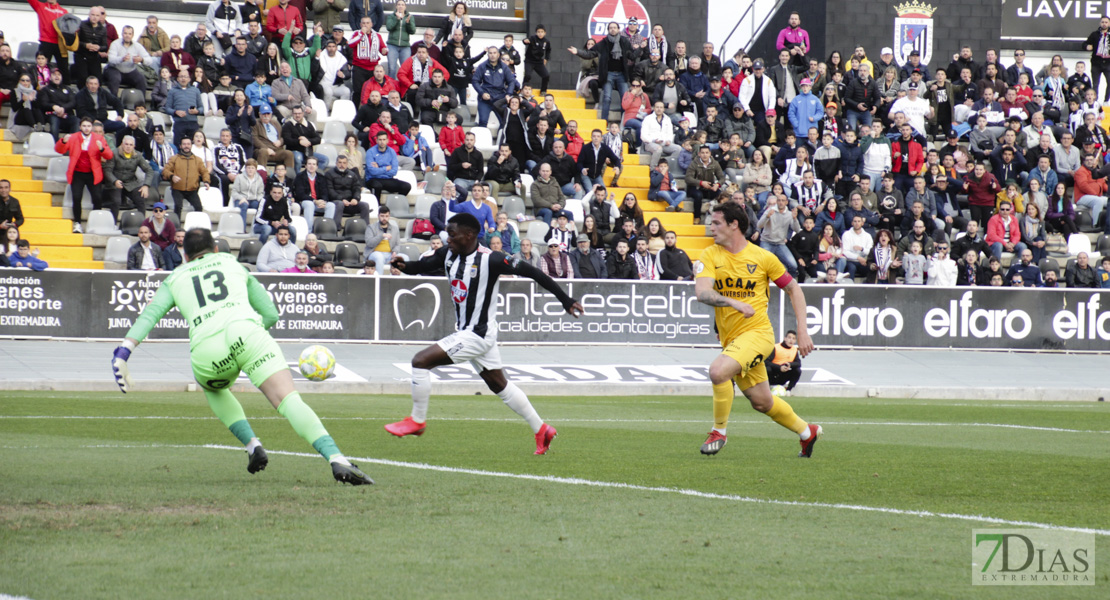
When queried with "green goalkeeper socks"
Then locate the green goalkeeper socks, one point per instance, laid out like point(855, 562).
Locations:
point(308, 426)
point(230, 413)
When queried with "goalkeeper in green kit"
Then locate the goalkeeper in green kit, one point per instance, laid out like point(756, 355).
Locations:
point(228, 313)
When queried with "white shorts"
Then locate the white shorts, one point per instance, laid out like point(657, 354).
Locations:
point(464, 346)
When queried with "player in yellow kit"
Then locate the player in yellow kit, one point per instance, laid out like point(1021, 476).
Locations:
point(733, 275)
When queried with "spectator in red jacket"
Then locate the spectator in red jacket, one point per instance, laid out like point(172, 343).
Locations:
point(417, 69)
point(48, 12)
point(283, 18)
point(981, 188)
point(573, 141)
point(379, 82)
point(1004, 232)
point(451, 136)
point(908, 159)
point(87, 152)
point(1090, 192)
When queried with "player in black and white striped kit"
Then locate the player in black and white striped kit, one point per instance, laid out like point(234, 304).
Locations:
point(473, 271)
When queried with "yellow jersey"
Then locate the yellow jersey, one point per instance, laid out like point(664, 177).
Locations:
point(744, 276)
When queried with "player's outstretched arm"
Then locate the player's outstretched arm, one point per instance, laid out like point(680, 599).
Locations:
point(798, 301)
point(704, 292)
point(158, 307)
point(261, 302)
point(523, 268)
point(419, 267)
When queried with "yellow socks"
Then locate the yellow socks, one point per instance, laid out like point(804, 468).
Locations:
point(722, 405)
point(780, 413)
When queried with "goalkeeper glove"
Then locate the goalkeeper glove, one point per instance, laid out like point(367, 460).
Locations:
point(119, 367)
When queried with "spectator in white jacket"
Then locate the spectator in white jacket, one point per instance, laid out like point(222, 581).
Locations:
point(875, 147)
point(332, 79)
point(942, 269)
point(224, 22)
point(657, 134)
point(856, 244)
point(248, 190)
point(124, 57)
point(767, 95)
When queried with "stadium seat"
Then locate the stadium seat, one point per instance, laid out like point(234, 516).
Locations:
point(429, 135)
point(424, 203)
point(398, 206)
point(1079, 242)
point(40, 144)
point(27, 52)
point(343, 111)
point(116, 249)
point(434, 181)
point(157, 119)
point(325, 229)
point(231, 225)
point(130, 221)
point(411, 251)
point(438, 157)
point(1102, 246)
point(131, 98)
point(537, 230)
point(410, 178)
point(197, 220)
point(58, 169)
point(354, 230)
point(319, 110)
point(334, 133)
point(223, 245)
point(348, 255)
point(514, 207)
point(1049, 264)
point(300, 225)
point(212, 128)
point(330, 152)
point(526, 182)
point(483, 141)
point(463, 111)
point(575, 208)
point(212, 200)
point(101, 222)
point(248, 252)
point(173, 218)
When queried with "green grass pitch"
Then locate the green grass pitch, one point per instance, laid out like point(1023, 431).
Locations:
point(131, 504)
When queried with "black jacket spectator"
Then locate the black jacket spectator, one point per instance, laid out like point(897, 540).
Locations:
point(601, 212)
point(455, 169)
point(675, 263)
point(84, 106)
point(603, 51)
point(291, 132)
point(564, 170)
point(540, 149)
point(594, 161)
point(621, 269)
point(503, 173)
point(1081, 278)
point(302, 192)
point(51, 95)
point(859, 92)
point(343, 186)
point(657, 95)
point(588, 266)
point(135, 257)
point(11, 212)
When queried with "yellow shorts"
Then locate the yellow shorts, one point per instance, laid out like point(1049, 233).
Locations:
point(750, 349)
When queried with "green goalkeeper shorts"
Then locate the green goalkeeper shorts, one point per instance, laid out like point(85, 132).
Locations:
point(243, 346)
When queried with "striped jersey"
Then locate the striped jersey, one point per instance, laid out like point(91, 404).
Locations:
point(473, 280)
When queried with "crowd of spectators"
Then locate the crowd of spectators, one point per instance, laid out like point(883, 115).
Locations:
point(858, 167)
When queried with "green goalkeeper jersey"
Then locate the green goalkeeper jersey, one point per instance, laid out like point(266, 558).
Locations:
point(211, 292)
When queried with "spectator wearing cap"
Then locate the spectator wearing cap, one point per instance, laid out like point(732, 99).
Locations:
point(915, 108)
point(915, 76)
point(805, 109)
point(886, 61)
point(757, 93)
point(650, 70)
point(914, 64)
point(268, 138)
point(162, 230)
point(556, 263)
point(718, 96)
point(587, 262)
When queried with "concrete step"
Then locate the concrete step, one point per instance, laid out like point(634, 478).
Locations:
point(52, 239)
point(48, 225)
point(95, 265)
point(41, 212)
point(52, 253)
point(687, 243)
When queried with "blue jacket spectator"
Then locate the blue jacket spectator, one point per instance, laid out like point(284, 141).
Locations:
point(386, 161)
point(30, 261)
point(482, 212)
point(172, 257)
point(259, 94)
point(498, 82)
point(851, 158)
point(694, 82)
point(183, 98)
point(1048, 180)
point(240, 67)
point(804, 112)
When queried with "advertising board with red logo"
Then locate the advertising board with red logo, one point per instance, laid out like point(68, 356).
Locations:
point(622, 12)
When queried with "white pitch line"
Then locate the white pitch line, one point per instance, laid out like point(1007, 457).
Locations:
point(508, 420)
point(644, 488)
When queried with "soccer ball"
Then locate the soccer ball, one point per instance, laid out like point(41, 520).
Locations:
point(317, 363)
point(777, 390)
